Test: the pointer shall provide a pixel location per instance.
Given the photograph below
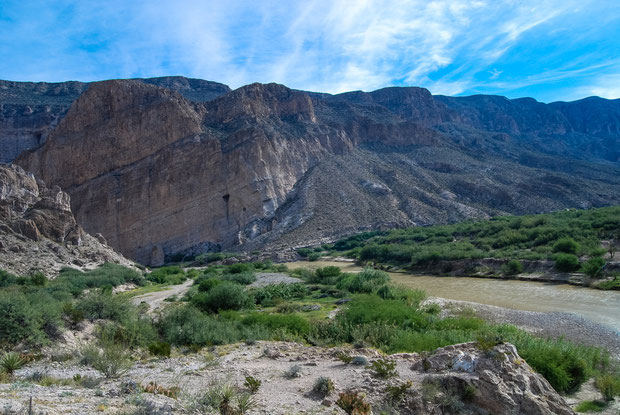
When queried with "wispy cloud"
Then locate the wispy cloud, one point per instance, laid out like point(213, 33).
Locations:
point(448, 46)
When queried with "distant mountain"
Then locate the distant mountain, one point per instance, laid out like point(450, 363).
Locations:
point(168, 165)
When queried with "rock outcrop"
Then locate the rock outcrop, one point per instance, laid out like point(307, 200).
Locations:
point(160, 175)
point(38, 231)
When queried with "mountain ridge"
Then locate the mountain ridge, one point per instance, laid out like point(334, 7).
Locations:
point(158, 174)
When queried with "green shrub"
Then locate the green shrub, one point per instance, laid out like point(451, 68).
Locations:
point(239, 268)
point(171, 275)
point(107, 275)
point(104, 305)
point(252, 384)
point(208, 283)
point(242, 278)
point(10, 362)
point(160, 349)
point(323, 386)
point(268, 295)
point(304, 252)
point(225, 296)
point(566, 245)
point(19, 320)
point(38, 279)
point(593, 267)
point(609, 385)
point(367, 281)
point(325, 275)
point(359, 361)
point(112, 360)
point(512, 267)
point(291, 323)
point(591, 406)
point(314, 256)
point(186, 326)
point(396, 393)
point(384, 368)
point(7, 279)
point(354, 403)
point(366, 309)
point(566, 262)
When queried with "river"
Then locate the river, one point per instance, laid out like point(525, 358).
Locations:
point(595, 305)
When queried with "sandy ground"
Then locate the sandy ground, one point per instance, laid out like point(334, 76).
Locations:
point(155, 300)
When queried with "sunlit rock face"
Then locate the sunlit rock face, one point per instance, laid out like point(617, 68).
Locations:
point(169, 167)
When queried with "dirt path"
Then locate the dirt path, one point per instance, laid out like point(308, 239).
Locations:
point(155, 300)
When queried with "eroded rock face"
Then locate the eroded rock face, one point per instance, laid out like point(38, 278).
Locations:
point(267, 166)
point(503, 382)
point(38, 230)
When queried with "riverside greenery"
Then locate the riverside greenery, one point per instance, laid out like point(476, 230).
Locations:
point(561, 236)
point(373, 313)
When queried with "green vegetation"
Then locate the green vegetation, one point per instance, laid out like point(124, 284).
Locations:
point(222, 309)
point(591, 406)
point(562, 236)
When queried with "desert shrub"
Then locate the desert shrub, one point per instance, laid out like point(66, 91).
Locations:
point(304, 252)
point(107, 275)
point(102, 304)
point(291, 323)
point(591, 406)
point(293, 372)
point(206, 284)
point(384, 368)
point(609, 385)
point(512, 267)
point(20, 321)
point(396, 392)
point(112, 360)
point(38, 279)
point(344, 357)
point(10, 362)
point(566, 245)
point(185, 325)
point(566, 262)
point(366, 309)
point(225, 296)
point(238, 268)
point(160, 349)
point(367, 281)
point(314, 256)
point(354, 403)
point(359, 361)
point(268, 295)
point(242, 278)
point(7, 279)
point(252, 384)
point(323, 386)
point(172, 274)
point(613, 284)
point(325, 275)
point(410, 297)
point(593, 267)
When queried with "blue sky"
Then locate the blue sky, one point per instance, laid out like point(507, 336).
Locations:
point(548, 49)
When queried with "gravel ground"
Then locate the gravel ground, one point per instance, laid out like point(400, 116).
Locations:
point(269, 278)
point(553, 324)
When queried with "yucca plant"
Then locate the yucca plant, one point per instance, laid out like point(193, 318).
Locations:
point(10, 362)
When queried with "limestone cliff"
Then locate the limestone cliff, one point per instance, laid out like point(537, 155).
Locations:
point(159, 174)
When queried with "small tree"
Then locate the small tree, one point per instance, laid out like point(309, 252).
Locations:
point(611, 248)
point(593, 267)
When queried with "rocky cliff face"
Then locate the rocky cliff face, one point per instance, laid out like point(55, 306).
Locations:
point(30, 110)
point(38, 232)
point(159, 174)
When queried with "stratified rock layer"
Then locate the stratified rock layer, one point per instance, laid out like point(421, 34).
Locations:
point(159, 175)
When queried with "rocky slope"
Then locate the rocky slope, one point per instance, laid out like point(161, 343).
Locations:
point(38, 232)
point(265, 166)
point(459, 379)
